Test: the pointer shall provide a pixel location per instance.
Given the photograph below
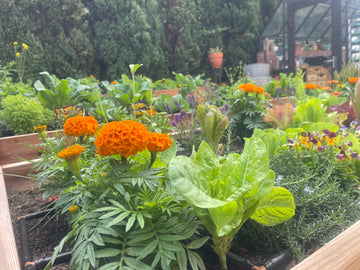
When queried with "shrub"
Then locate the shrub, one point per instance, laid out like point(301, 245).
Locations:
point(22, 114)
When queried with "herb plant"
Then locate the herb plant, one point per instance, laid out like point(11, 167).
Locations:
point(22, 114)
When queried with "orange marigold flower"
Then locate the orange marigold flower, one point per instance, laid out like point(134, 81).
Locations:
point(159, 142)
point(81, 125)
point(151, 112)
point(336, 93)
point(311, 86)
point(71, 152)
point(113, 82)
point(353, 80)
point(40, 128)
point(122, 137)
point(250, 87)
point(333, 82)
point(73, 209)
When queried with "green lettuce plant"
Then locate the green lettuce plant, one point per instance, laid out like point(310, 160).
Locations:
point(225, 193)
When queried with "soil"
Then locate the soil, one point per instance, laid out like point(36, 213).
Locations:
point(45, 233)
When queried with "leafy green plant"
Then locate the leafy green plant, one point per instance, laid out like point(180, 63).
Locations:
point(280, 116)
point(213, 124)
point(125, 214)
point(224, 194)
point(312, 111)
point(60, 93)
point(22, 114)
point(169, 104)
point(326, 201)
point(247, 113)
point(282, 86)
point(187, 83)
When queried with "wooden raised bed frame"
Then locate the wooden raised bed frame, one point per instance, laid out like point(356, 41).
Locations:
point(339, 254)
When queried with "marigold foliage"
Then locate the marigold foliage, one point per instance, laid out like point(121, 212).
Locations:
point(71, 152)
point(159, 142)
point(81, 125)
point(122, 137)
point(251, 88)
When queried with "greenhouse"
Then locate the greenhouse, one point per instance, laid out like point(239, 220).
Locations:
point(314, 32)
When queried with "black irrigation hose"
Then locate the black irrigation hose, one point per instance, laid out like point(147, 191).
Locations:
point(27, 258)
point(279, 261)
point(61, 258)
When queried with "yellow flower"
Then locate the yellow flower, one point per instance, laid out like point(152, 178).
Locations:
point(71, 152)
point(41, 131)
point(25, 47)
point(71, 155)
point(15, 43)
point(73, 209)
point(17, 54)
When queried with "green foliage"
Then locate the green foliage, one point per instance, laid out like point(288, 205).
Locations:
point(170, 104)
point(78, 38)
point(224, 194)
point(128, 216)
point(325, 198)
point(355, 99)
point(22, 114)
point(312, 111)
point(60, 93)
point(347, 71)
point(213, 124)
point(284, 86)
point(246, 113)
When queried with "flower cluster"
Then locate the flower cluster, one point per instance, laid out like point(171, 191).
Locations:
point(40, 128)
point(195, 99)
point(251, 88)
point(159, 142)
point(140, 109)
point(80, 126)
point(71, 152)
point(122, 137)
point(312, 86)
point(353, 80)
point(321, 142)
point(129, 137)
point(68, 111)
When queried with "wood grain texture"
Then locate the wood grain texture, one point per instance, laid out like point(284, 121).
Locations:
point(9, 259)
point(341, 253)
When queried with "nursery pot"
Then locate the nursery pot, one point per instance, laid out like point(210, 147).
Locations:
point(216, 59)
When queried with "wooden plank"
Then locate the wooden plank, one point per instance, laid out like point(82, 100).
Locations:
point(16, 146)
point(15, 175)
point(341, 253)
point(9, 258)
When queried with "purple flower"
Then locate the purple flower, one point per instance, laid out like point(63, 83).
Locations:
point(350, 143)
point(182, 114)
point(173, 123)
point(178, 118)
point(321, 148)
point(176, 103)
point(339, 157)
point(167, 107)
point(354, 155)
point(326, 131)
